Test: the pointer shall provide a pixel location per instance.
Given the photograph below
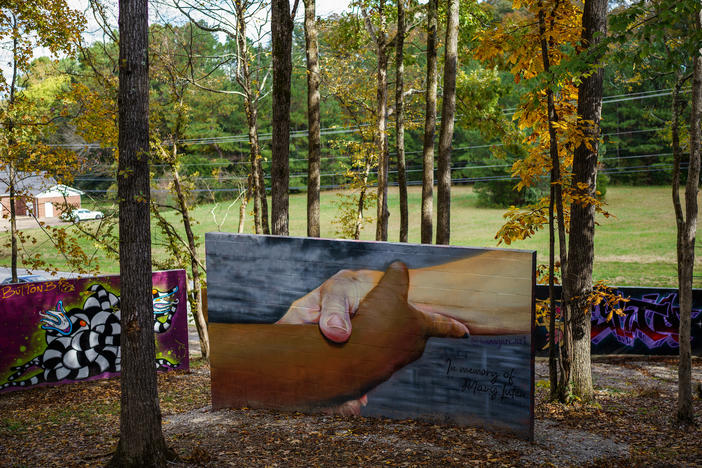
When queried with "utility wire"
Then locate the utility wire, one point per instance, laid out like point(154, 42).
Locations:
point(660, 168)
point(409, 169)
point(243, 138)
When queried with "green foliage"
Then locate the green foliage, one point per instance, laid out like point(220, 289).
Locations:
point(629, 252)
point(651, 48)
point(478, 95)
point(216, 165)
point(501, 193)
point(602, 184)
point(358, 197)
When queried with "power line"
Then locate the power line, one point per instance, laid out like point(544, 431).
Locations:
point(637, 156)
point(410, 169)
point(460, 148)
point(243, 138)
point(653, 168)
point(624, 97)
point(635, 98)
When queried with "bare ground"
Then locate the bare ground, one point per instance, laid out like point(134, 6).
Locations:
point(630, 425)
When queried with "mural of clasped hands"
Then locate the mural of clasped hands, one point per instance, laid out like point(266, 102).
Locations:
point(291, 365)
point(335, 303)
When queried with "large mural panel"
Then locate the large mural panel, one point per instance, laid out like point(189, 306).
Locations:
point(377, 329)
point(649, 325)
point(69, 330)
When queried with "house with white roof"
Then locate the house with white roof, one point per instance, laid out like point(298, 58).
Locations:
point(41, 196)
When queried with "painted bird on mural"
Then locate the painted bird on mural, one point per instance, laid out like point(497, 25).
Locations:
point(84, 342)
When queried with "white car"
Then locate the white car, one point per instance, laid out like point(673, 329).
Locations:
point(82, 214)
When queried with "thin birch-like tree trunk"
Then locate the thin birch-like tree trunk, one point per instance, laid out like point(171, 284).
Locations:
point(10, 170)
point(429, 126)
point(448, 112)
point(379, 36)
point(400, 119)
point(200, 322)
point(314, 156)
point(258, 189)
point(566, 343)
point(13, 223)
point(687, 232)
point(552, 351)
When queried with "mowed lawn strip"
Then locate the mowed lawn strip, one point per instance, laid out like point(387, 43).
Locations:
point(635, 247)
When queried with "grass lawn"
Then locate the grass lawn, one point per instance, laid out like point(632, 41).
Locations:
point(636, 247)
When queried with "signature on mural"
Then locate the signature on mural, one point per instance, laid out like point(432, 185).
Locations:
point(653, 320)
point(33, 288)
point(85, 342)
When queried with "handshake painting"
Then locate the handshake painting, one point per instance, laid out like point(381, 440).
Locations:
point(372, 329)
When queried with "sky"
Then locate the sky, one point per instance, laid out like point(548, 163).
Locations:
point(324, 8)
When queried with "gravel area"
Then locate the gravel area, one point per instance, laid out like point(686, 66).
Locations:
point(553, 445)
point(630, 424)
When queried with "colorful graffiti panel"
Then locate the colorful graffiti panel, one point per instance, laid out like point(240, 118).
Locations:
point(377, 329)
point(649, 325)
point(69, 330)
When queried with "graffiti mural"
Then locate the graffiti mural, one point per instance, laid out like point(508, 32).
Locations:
point(69, 330)
point(375, 329)
point(649, 325)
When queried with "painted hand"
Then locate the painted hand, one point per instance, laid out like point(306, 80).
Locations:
point(292, 366)
point(335, 302)
point(333, 305)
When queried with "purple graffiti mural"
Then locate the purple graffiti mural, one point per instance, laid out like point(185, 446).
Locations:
point(649, 324)
point(69, 330)
point(654, 319)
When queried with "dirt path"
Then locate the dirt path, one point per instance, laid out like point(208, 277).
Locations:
point(28, 222)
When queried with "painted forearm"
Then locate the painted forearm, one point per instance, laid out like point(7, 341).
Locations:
point(295, 367)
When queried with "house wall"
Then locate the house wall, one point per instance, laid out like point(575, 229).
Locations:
point(20, 206)
point(59, 204)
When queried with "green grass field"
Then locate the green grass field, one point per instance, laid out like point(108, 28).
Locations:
point(636, 247)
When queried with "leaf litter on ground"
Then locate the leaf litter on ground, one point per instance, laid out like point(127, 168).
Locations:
point(629, 425)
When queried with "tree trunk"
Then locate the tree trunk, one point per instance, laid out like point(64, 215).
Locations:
point(194, 295)
point(381, 229)
point(264, 198)
point(314, 157)
point(685, 412)
point(242, 211)
point(581, 249)
point(244, 203)
point(361, 201)
point(258, 189)
point(141, 440)
point(400, 119)
point(200, 322)
point(448, 112)
point(566, 344)
point(10, 169)
point(677, 108)
point(429, 126)
point(281, 38)
point(552, 351)
point(13, 222)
